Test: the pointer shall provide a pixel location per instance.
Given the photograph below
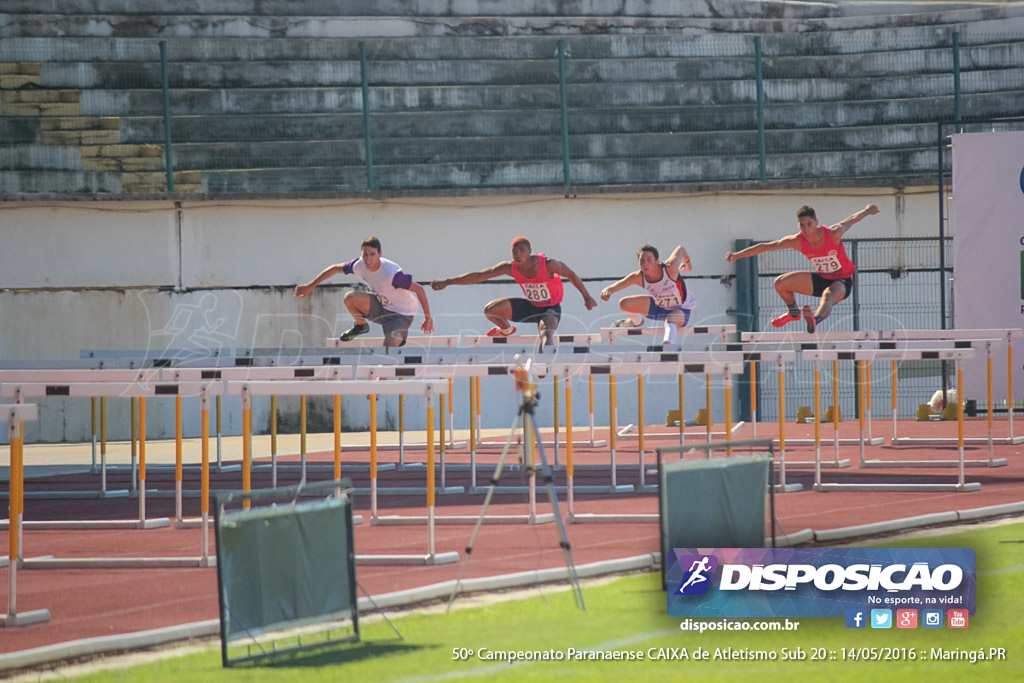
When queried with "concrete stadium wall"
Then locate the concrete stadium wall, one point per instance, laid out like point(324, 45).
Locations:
point(79, 276)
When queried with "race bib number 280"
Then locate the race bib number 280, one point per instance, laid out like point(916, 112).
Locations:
point(536, 291)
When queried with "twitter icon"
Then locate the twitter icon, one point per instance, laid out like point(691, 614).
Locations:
point(881, 618)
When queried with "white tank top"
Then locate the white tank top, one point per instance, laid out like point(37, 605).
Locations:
point(669, 293)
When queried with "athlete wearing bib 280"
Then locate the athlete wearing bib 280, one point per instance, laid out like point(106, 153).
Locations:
point(668, 297)
point(832, 279)
point(540, 279)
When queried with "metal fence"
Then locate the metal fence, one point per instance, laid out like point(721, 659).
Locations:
point(272, 117)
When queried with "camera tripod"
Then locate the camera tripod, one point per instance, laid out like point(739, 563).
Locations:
point(526, 385)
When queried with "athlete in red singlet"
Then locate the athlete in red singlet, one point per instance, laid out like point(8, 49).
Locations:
point(541, 281)
point(832, 279)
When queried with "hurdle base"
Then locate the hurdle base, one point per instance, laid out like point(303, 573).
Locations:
point(874, 441)
point(520, 490)
point(950, 488)
point(410, 491)
point(587, 443)
point(454, 520)
point(952, 440)
point(809, 464)
point(114, 563)
point(594, 517)
point(787, 488)
point(99, 524)
point(998, 462)
point(38, 616)
point(61, 495)
point(416, 560)
point(322, 467)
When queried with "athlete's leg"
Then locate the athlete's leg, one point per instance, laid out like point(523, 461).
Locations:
point(546, 326)
point(635, 308)
point(358, 304)
point(499, 312)
point(788, 286)
point(832, 295)
point(675, 321)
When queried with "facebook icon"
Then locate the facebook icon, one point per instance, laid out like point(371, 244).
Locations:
point(856, 618)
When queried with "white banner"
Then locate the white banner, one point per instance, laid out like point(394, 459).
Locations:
point(987, 221)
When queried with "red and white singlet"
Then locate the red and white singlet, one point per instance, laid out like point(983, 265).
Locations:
point(829, 260)
point(543, 289)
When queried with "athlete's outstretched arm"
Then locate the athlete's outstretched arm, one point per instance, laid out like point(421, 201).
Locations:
point(475, 277)
point(631, 279)
point(302, 291)
point(840, 228)
point(568, 273)
point(787, 242)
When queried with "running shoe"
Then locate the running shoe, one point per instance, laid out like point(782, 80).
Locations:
point(785, 318)
point(809, 318)
point(354, 331)
point(498, 332)
point(627, 322)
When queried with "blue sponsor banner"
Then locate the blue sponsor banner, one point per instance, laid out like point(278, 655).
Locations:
point(817, 582)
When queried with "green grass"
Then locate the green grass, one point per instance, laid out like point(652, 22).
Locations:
point(629, 614)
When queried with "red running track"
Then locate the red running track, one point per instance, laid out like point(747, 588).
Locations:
point(86, 603)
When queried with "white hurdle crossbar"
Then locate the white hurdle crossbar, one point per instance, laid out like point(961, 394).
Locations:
point(610, 334)
point(956, 355)
point(15, 416)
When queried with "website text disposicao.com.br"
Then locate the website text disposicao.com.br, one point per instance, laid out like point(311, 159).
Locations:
point(702, 625)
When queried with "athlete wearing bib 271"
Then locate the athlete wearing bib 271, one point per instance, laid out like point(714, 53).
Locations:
point(391, 302)
point(539, 277)
point(668, 300)
point(832, 279)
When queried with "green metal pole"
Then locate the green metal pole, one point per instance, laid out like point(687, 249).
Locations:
point(168, 152)
point(761, 152)
point(563, 103)
point(367, 138)
point(956, 76)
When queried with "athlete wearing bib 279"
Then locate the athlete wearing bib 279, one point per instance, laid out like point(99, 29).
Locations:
point(391, 302)
point(668, 300)
point(541, 281)
point(832, 279)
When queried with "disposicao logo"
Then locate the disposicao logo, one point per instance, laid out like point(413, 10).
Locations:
point(818, 582)
point(696, 580)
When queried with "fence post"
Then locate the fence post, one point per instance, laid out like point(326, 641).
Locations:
point(746, 314)
point(758, 69)
point(563, 105)
point(165, 81)
point(956, 76)
point(367, 138)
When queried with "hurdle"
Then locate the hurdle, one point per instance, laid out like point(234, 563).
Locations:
point(956, 355)
point(53, 375)
point(473, 372)
point(817, 340)
point(674, 364)
point(93, 389)
point(428, 389)
point(1004, 336)
point(15, 416)
point(107, 390)
point(610, 334)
